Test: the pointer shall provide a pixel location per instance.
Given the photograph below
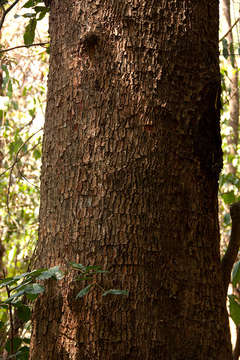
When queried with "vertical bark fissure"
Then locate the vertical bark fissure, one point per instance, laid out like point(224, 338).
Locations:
point(129, 181)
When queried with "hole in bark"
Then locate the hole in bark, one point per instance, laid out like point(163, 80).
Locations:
point(90, 40)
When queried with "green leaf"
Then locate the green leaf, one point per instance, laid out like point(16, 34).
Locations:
point(34, 273)
point(22, 354)
point(228, 197)
point(94, 268)
point(77, 266)
point(236, 274)
point(84, 291)
point(31, 290)
point(116, 292)
point(21, 276)
point(3, 306)
point(39, 8)
point(24, 312)
point(34, 289)
point(5, 69)
point(16, 344)
point(234, 308)
point(225, 48)
point(15, 145)
point(13, 297)
point(10, 89)
point(29, 33)
point(29, 4)
point(22, 285)
point(31, 297)
point(26, 340)
point(227, 219)
point(29, 15)
point(32, 112)
point(2, 323)
point(36, 154)
point(7, 281)
point(53, 272)
point(24, 93)
point(101, 271)
point(42, 14)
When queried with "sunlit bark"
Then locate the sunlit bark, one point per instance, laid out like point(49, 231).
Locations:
point(131, 158)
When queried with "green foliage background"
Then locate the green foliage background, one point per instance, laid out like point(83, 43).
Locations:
point(23, 75)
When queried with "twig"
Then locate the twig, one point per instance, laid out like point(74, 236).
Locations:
point(24, 177)
point(7, 11)
point(19, 158)
point(99, 286)
point(12, 167)
point(233, 246)
point(10, 317)
point(229, 30)
point(225, 102)
point(24, 46)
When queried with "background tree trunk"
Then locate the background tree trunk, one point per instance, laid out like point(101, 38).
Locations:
point(234, 94)
point(131, 158)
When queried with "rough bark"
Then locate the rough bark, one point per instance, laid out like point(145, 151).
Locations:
point(131, 158)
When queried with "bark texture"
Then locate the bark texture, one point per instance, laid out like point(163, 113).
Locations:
point(131, 158)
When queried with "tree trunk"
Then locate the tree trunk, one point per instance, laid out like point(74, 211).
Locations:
point(131, 158)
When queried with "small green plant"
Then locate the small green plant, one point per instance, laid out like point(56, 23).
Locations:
point(38, 11)
point(88, 273)
point(20, 291)
point(234, 299)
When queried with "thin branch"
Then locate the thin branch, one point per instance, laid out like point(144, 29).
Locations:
point(233, 246)
point(7, 11)
point(24, 177)
point(23, 46)
point(225, 102)
point(17, 158)
point(10, 316)
point(12, 167)
point(229, 30)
